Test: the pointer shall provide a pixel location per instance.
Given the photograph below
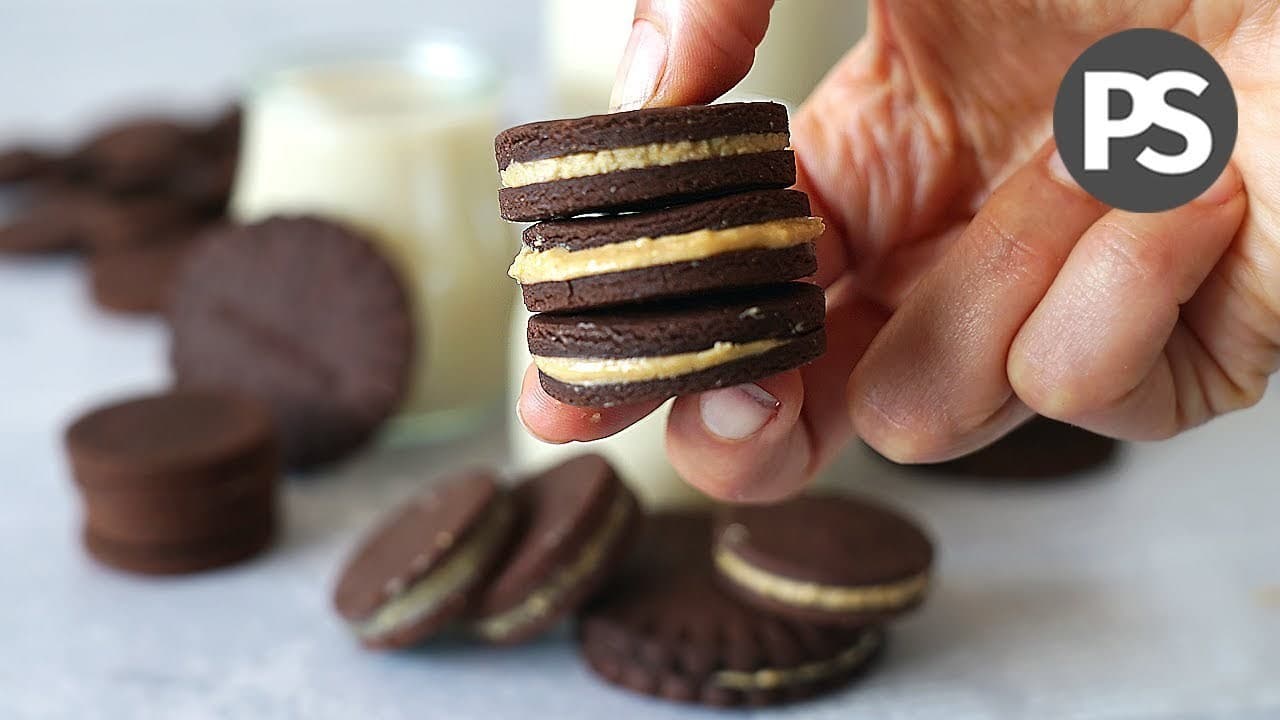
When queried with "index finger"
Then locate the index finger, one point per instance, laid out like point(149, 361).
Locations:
point(683, 52)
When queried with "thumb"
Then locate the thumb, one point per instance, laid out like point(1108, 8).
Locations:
point(683, 52)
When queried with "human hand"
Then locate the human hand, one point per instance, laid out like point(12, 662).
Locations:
point(970, 281)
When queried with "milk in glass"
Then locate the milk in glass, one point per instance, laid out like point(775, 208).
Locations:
point(400, 145)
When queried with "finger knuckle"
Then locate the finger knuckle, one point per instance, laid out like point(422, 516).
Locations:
point(904, 436)
point(1133, 255)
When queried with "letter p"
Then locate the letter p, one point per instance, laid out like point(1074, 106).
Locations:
point(1099, 127)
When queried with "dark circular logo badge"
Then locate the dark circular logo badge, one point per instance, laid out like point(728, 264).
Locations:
point(1145, 120)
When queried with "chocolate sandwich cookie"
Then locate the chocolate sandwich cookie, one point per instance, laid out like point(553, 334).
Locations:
point(576, 522)
point(825, 559)
point(751, 238)
point(176, 483)
point(655, 351)
point(666, 628)
point(305, 314)
point(413, 574)
point(641, 159)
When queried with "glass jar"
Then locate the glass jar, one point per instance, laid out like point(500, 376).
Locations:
point(399, 143)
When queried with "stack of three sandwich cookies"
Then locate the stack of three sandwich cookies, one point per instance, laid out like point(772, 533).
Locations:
point(664, 251)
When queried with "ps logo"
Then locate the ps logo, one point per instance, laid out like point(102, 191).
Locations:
point(1145, 120)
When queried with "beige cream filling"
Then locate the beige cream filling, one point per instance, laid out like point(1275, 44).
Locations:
point(814, 595)
point(423, 597)
point(565, 579)
point(558, 264)
point(599, 162)
point(608, 371)
point(771, 678)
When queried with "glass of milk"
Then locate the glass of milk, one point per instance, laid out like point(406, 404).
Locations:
point(399, 144)
point(585, 41)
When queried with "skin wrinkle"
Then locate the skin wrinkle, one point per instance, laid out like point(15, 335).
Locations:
point(1244, 395)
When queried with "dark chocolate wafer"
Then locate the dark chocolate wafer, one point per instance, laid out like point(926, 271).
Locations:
point(305, 314)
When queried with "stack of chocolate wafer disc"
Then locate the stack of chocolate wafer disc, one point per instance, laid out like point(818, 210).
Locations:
point(664, 251)
point(176, 483)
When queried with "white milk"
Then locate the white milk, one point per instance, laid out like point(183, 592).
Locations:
point(402, 147)
point(586, 39)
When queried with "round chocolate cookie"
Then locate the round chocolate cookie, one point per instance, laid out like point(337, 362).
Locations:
point(415, 572)
point(576, 522)
point(139, 279)
point(641, 159)
point(1039, 449)
point(175, 483)
point(305, 314)
point(133, 155)
point(825, 559)
point(752, 238)
point(678, 347)
point(667, 629)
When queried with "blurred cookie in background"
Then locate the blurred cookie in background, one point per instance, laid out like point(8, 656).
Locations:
point(134, 155)
point(23, 163)
point(140, 279)
point(1039, 449)
point(177, 482)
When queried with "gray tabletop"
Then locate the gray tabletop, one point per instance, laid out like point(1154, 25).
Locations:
point(1148, 590)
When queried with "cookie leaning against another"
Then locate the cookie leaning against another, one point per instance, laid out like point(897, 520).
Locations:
point(752, 238)
point(414, 573)
point(641, 159)
point(304, 313)
point(658, 350)
point(576, 525)
point(828, 559)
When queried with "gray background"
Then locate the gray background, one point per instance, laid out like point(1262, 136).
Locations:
point(1150, 590)
point(64, 62)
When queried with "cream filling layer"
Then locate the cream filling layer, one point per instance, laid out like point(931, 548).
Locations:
point(609, 371)
point(832, 598)
point(425, 596)
point(565, 579)
point(816, 671)
point(599, 162)
point(558, 264)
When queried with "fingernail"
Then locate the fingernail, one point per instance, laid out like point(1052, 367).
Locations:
point(1226, 187)
point(737, 413)
point(642, 66)
point(1060, 171)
